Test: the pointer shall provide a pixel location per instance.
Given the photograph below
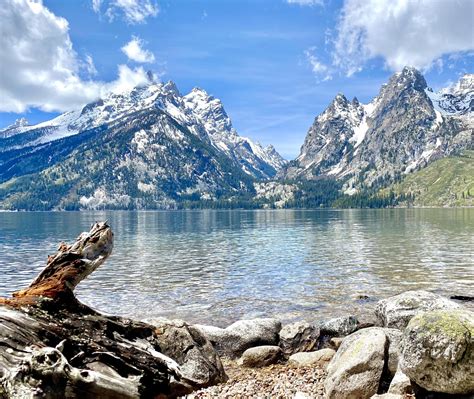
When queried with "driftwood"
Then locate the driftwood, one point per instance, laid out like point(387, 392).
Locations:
point(53, 346)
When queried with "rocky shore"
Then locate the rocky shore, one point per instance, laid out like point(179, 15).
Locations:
point(415, 344)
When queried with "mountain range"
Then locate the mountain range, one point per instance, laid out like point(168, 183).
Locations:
point(155, 148)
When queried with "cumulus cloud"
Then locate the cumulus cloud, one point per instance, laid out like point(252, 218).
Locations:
point(320, 70)
point(134, 51)
point(306, 2)
point(402, 32)
point(133, 11)
point(41, 68)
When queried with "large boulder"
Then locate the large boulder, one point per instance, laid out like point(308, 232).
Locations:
point(317, 358)
point(298, 337)
point(340, 326)
point(397, 311)
point(260, 356)
point(191, 349)
point(356, 369)
point(438, 351)
point(243, 334)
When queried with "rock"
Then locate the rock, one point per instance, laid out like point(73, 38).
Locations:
point(336, 342)
point(401, 384)
point(306, 359)
point(387, 396)
point(394, 337)
point(340, 326)
point(356, 368)
point(261, 356)
point(438, 351)
point(298, 337)
point(243, 334)
point(397, 311)
point(191, 349)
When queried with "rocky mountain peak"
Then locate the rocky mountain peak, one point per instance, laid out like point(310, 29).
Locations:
point(408, 77)
point(171, 87)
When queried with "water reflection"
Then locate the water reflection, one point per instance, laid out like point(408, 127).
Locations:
point(219, 266)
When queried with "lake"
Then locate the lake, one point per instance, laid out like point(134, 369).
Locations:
point(219, 266)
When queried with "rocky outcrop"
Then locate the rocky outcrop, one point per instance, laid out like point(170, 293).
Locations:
point(298, 337)
point(243, 334)
point(320, 358)
point(260, 356)
point(438, 351)
point(397, 311)
point(356, 369)
point(53, 346)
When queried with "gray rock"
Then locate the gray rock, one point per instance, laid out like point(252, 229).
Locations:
point(387, 396)
point(298, 337)
point(394, 337)
point(340, 326)
point(398, 310)
point(191, 349)
point(306, 359)
point(401, 384)
point(243, 334)
point(260, 356)
point(356, 369)
point(438, 351)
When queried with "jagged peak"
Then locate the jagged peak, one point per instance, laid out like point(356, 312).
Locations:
point(170, 86)
point(409, 76)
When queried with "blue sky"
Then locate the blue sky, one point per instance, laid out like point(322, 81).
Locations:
point(275, 64)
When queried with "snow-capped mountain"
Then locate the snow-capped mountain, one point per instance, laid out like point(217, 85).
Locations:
point(402, 129)
point(150, 147)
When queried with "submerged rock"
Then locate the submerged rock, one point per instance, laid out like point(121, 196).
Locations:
point(261, 356)
point(438, 351)
point(298, 337)
point(398, 310)
point(243, 334)
point(356, 369)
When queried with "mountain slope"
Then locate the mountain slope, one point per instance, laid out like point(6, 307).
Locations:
point(147, 148)
point(445, 182)
point(403, 129)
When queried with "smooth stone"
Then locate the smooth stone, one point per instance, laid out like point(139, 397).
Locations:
point(241, 335)
point(438, 351)
point(305, 359)
point(260, 356)
point(298, 337)
point(340, 326)
point(398, 310)
point(356, 368)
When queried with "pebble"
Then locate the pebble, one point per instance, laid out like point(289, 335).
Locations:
point(279, 381)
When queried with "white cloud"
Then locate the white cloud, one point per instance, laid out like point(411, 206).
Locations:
point(96, 5)
point(134, 51)
point(320, 70)
point(402, 32)
point(89, 66)
point(43, 70)
point(134, 11)
point(306, 2)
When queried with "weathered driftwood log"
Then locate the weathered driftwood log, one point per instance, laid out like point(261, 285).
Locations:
point(53, 346)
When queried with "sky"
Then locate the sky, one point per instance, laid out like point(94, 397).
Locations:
point(275, 64)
